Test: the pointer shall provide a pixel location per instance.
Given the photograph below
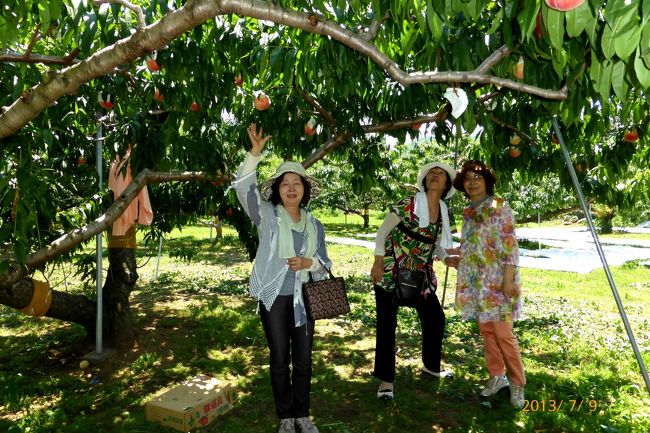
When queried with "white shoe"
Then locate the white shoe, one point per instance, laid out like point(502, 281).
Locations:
point(385, 393)
point(441, 373)
point(494, 385)
point(287, 426)
point(305, 425)
point(517, 396)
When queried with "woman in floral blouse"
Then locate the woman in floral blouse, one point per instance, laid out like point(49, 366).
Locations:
point(489, 286)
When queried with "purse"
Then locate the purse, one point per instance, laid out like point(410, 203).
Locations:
point(409, 285)
point(326, 298)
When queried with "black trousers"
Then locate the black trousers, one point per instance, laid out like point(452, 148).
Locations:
point(432, 320)
point(289, 346)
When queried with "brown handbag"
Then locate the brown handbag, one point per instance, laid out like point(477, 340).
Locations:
point(326, 298)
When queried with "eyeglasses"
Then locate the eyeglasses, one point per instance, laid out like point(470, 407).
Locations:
point(470, 177)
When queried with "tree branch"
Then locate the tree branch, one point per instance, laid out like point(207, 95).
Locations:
point(338, 140)
point(326, 115)
point(9, 56)
point(268, 11)
point(371, 33)
point(193, 13)
point(35, 36)
point(137, 9)
point(513, 128)
point(493, 59)
point(334, 142)
point(69, 240)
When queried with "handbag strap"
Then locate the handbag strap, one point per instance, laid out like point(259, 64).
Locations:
point(329, 271)
point(420, 237)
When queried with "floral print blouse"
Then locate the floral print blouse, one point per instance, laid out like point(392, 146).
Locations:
point(488, 243)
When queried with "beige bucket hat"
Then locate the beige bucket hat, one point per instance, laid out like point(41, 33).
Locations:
point(289, 167)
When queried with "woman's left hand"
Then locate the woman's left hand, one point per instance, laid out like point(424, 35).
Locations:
point(298, 263)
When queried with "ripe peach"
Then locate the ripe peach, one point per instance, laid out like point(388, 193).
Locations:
point(262, 102)
point(564, 5)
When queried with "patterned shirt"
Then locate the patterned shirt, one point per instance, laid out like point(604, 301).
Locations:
point(411, 253)
point(488, 243)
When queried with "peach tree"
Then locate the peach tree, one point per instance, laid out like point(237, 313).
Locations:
point(180, 81)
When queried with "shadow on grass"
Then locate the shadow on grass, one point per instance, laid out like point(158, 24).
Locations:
point(206, 329)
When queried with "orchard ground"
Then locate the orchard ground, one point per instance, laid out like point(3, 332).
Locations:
point(195, 317)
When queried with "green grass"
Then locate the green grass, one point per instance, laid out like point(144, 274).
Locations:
point(196, 318)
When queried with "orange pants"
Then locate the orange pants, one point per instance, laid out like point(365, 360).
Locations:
point(502, 351)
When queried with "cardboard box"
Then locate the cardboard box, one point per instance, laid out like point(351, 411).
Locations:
point(192, 404)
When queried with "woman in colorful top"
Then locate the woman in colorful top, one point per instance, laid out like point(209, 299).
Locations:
point(291, 245)
point(426, 214)
point(489, 286)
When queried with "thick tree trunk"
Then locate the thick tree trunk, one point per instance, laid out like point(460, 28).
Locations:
point(71, 308)
point(119, 327)
point(366, 217)
point(118, 323)
point(606, 226)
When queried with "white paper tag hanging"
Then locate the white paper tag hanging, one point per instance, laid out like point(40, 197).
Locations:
point(458, 100)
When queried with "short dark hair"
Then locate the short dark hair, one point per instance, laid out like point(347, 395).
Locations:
point(476, 167)
point(448, 183)
point(275, 191)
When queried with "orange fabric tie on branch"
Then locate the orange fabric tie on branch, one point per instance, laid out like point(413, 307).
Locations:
point(140, 208)
point(41, 300)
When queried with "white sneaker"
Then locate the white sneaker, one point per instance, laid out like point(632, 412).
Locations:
point(305, 425)
point(517, 396)
point(494, 385)
point(441, 373)
point(287, 426)
point(385, 393)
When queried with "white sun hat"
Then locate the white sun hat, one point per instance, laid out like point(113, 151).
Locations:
point(289, 167)
point(426, 168)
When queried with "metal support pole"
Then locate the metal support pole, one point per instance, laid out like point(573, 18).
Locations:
point(444, 287)
point(160, 251)
point(610, 278)
point(100, 279)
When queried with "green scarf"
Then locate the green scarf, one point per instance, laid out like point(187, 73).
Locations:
point(304, 225)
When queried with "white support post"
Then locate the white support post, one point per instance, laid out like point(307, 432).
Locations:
point(159, 253)
point(100, 279)
point(610, 278)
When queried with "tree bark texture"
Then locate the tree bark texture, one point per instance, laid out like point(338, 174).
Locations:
point(119, 327)
point(72, 308)
point(118, 323)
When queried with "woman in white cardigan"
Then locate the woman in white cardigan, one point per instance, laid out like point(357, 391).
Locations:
point(404, 241)
point(291, 245)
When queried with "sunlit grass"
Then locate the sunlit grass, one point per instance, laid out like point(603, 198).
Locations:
point(196, 317)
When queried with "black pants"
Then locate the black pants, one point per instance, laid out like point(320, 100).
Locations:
point(288, 345)
point(432, 320)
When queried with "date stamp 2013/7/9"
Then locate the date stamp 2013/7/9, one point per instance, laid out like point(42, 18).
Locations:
point(562, 405)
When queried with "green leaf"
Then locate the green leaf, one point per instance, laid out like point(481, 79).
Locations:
point(559, 61)
point(625, 43)
point(642, 72)
point(577, 20)
point(528, 19)
point(618, 80)
point(592, 32)
point(435, 23)
point(555, 25)
point(644, 44)
point(607, 43)
point(601, 74)
point(496, 22)
point(617, 10)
